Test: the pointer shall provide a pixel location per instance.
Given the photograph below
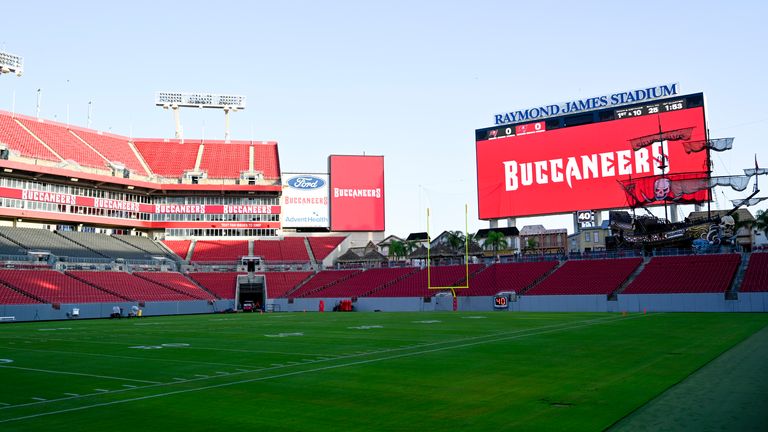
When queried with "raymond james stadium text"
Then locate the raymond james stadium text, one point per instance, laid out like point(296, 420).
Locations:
point(580, 105)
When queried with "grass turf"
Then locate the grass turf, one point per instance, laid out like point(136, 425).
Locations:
point(358, 371)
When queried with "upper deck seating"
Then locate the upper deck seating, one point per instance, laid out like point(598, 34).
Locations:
point(323, 246)
point(266, 160)
point(168, 158)
point(114, 148)
point(222, 160)
point(19, 140)
point(58, 138)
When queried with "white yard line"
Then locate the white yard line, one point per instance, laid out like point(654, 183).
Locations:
point(74, 353)
point(78, 374)
point(495, 338)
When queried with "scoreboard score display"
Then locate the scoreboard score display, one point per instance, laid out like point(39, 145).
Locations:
point(576, 162)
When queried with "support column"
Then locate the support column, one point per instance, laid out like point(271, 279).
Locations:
point(673, 213)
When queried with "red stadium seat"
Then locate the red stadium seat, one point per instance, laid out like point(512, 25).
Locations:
point(686, 274)
point(580, 277)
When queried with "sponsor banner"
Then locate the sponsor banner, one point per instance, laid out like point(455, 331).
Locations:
point(233, 224)
point(573, 168)
point(305, 201)
point(130, 206)
point(357, 193)
point(122, 222)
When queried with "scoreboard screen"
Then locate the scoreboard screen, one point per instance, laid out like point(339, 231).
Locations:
point(576, 162)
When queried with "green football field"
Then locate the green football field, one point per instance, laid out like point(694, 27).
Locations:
point(353, 371)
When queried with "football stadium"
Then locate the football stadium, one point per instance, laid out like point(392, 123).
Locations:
point(193, 283)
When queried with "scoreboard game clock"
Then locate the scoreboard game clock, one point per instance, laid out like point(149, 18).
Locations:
point(654, 108)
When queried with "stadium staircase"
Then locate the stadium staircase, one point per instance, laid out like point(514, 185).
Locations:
point(77, 137)
point(614, 296)
point(199, 157)
point(310, 254)
point(541, 278)
point(140, 158)
point(191, 251)
point(738, 279)
point(250, 248)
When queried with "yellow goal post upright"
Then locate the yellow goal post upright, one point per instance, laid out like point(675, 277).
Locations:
point(466, 259)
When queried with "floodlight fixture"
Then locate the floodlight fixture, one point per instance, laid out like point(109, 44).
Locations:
point(11, 63)
point(177, 100)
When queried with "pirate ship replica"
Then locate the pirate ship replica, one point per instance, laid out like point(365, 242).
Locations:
point(646, 231)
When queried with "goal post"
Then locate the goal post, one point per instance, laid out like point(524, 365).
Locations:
point(466, 258)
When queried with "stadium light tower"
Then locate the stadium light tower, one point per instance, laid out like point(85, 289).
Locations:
point(177, 100)
point(10, 63)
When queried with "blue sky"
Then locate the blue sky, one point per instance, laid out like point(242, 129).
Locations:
point(407, 80)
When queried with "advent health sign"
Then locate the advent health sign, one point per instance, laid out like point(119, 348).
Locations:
point(305, 201)
point(357, 193)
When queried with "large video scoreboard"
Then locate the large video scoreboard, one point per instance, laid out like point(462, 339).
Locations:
point(575, 162)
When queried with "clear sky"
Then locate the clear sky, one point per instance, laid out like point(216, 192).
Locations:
point(407, 80)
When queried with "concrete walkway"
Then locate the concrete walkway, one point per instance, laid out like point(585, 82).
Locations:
point(728, 394)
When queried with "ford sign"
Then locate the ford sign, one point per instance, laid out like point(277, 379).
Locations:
point(306, 182)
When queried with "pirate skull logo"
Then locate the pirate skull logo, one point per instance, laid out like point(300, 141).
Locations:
point(661, 188)
point(727, 223)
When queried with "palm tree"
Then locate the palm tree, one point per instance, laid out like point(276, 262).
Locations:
point(410, 246)
point(496, 241)
point(472, 241)
point(761, 221)
point(531, 244)
point(397, 249)
point(456, 240)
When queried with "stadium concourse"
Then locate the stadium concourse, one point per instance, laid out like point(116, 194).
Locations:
point(92, 221)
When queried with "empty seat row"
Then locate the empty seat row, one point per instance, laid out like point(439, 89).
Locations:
point(45, 240)
point(686, 274)
point(602, 276)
